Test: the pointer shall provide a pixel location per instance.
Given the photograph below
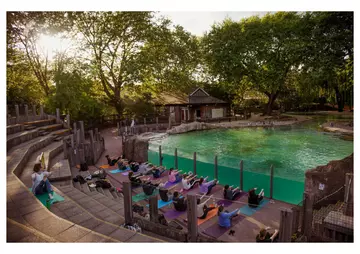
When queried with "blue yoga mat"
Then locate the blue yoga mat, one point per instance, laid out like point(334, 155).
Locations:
point(162, 203)
point(114, 171)
point(250, 211)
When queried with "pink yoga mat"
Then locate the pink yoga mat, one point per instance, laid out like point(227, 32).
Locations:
point(216, 231)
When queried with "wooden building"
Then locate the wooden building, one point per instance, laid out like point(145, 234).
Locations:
point(197, 106)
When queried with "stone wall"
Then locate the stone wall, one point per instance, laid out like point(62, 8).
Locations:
point(332, 176)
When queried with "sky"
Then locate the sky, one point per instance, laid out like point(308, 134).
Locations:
point(199, 22)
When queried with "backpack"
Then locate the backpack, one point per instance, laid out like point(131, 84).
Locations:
point(84, 167)
point(103, 184)
point(136, 208)
point(79, 179)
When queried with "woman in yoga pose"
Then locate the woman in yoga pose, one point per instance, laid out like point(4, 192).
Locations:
point(225, 217)
point(266, 237)
point(174, 175)
point(253, 199)
point(189, 181)
point(203, 209)
point(179, 202)
point(157, 171)
point(112, 162)
point(136, 179)
point(230, 193)
point(40, 181)
point(165, 194)
point(205, 187)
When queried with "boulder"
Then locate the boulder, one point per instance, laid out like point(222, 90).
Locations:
point(194, 126)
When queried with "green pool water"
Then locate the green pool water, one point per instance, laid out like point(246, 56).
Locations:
point(291, 150)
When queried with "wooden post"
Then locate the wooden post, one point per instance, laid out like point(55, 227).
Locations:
point(68, 121)
point(26, 113)
point(307, 214)
point(216, 176)
point(92, 145)
point(34, 110)
point(57, 115)
point(176, 159)
point(96, 134)
point(127, 202)
point(192, 218)
point(271, 181)
point(65, 149)
point(194, 163)
point(160, 156)
point(157, 123)
point(77, 138)
point(242, 175)
point(349, 194)
point(74, 130)
point(153, 203)
point(72, 142)
point(286, 224)
point(17, 113)
point(82, 132)
point(41, 111)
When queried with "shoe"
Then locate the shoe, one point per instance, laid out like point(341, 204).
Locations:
point(51, 196)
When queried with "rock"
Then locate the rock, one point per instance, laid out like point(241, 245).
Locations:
point(332, 176)
point(194, 126)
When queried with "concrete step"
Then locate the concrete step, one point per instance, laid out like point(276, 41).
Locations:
point(29, 127)
point(62, 133)
point(60, 171)
point(52, 128)
point(12, 129)
point(40, 122)
point(20, 137)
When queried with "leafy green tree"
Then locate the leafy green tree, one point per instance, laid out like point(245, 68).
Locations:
point(262, 50)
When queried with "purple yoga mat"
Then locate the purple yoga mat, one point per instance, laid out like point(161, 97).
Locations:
point(173, 214)
point(216, 231)
point(125, 173)
point(226, 203)
point(168, 184)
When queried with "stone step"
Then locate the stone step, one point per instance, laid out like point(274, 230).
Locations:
point(44, 133)
point(63, 132)
point(20, 137)
point(60, 171)
point(12, 129)
point(52, 128)
point(89, 211)
point(40, 122)
point(29, 127)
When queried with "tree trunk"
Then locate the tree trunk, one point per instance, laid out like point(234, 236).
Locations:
point(339, 99)
point(270, 104)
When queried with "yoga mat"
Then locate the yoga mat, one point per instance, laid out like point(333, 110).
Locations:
point(216, 231)
point(168, 184)
point(173, 214)
point(227, 203)
point(142, 196)
point(114, 171)
point(105, 166)
point(45, 196)
point(125, 173)
point(210, 215)
point(161, 203)
point(250, 211)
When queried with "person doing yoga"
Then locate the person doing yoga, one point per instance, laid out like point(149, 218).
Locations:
point(225, 217)
point(174, 175)
point(266, 237)
point(253, 199)
point(205, 187)
point(203, 209)
point(179, 202)
point(157, 171)
point(40, 181)
point(165, 193)
point(230, 193)
point(149, 187)
point(112, 162)
point(136, 179)
point(189, 181)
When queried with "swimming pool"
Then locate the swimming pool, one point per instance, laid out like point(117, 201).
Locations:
point(290, 149)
